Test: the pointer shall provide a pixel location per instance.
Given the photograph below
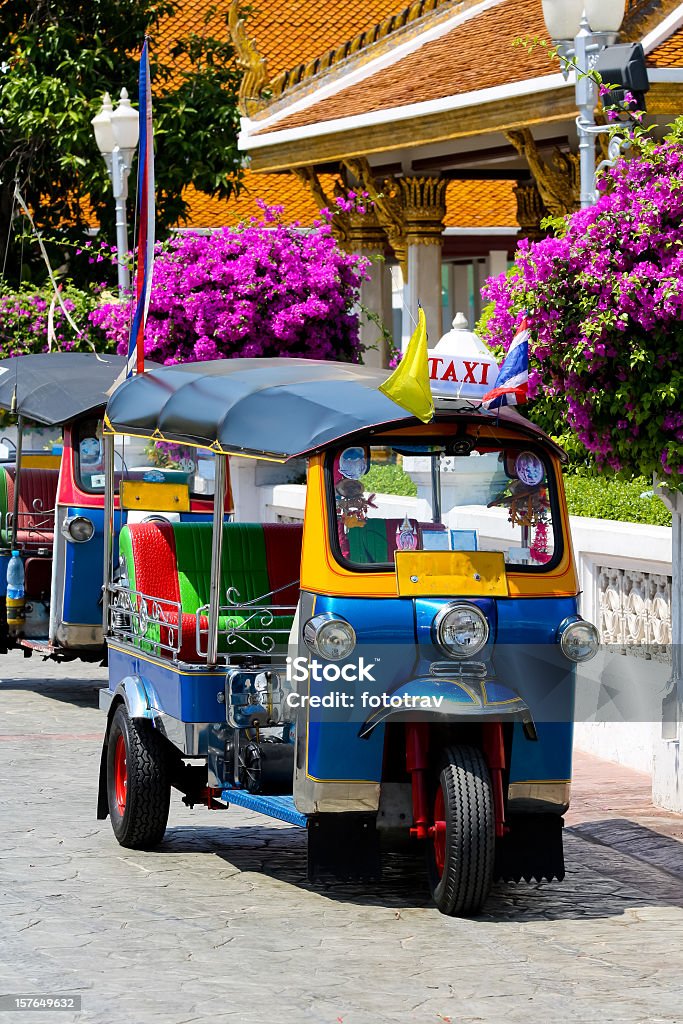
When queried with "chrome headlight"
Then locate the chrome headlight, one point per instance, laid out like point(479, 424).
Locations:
point(461, 630)
point(78, 529)
point(579, 640)
point(330, 637)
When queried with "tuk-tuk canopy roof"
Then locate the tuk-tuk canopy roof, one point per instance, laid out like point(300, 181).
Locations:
point(52, 388)
point(269, 408)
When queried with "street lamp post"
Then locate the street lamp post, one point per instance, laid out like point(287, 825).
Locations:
point(116, 133)
point(582, 29)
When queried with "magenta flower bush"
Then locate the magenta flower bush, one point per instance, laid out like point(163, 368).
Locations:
point(24, 321)
point(263, 289)
point(605, 304)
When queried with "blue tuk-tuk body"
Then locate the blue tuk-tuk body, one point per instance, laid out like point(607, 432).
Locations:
point(393, 667)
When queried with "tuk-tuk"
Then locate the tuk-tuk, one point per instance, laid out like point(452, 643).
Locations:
point(52, 503)
point(375, 675)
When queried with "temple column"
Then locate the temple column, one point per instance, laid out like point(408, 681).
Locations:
point(458, 293)
point(424, 208)
point(366, 238)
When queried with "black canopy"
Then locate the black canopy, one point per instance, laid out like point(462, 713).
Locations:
point(277, 408)
point(54, 387)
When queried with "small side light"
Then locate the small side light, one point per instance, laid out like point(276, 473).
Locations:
point(579, 640)
point(78, 529)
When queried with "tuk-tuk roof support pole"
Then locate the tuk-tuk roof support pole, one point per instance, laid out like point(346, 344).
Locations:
point(216, 555)
point(17, 473)
point(109, 487)
point(436, 489)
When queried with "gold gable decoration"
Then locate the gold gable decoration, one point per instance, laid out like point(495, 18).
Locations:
point(557, 181)
point(255, 79)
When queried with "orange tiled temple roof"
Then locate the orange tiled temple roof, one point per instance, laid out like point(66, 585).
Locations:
point(669, 54)
point(465, 65)
point(286, 33)
point(469, 204)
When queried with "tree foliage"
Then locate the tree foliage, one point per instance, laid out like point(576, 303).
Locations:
point(57, 58)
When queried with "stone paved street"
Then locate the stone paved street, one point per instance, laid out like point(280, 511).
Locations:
point(220, 924)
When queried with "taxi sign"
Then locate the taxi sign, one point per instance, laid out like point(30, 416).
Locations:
point(461, 366)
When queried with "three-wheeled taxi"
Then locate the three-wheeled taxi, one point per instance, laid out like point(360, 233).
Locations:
point(394, 668)
point(52, 508)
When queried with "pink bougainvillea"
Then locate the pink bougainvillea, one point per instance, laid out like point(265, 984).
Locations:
point(605, 303)
point(263, 289)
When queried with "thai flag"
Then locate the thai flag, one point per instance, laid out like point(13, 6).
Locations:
point(512, 382)
point(145, 205)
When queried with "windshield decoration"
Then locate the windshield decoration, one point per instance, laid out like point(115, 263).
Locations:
point(495, 498)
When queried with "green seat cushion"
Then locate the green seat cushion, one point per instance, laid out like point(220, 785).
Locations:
point(243, 563)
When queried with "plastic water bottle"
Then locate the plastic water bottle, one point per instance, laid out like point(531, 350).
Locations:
point(16, 601)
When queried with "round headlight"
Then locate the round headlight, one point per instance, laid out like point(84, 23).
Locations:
point(78, 529)
point(579, 640)
point(330, 638)
point(461, 630)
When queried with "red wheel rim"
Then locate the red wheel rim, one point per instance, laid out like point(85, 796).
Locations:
point(439, 832)
point(120, 774)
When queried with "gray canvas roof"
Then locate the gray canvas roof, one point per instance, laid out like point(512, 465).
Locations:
point(52, 388)
point(277, 408)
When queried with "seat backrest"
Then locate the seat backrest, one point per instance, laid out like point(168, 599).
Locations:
point(36, 507)
point(283, 558)
point(148, 556)
point(172, 561)
point(37, 494)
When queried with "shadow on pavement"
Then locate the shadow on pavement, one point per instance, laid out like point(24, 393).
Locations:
point(80, 692)
point(280, 853)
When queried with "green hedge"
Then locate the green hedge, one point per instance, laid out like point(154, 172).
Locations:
point(613, 499)
point(390, 479)
point(597, 497)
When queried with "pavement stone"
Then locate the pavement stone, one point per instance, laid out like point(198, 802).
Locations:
point(221, 925)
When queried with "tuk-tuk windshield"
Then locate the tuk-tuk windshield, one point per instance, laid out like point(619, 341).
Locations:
point(409, 498)
point(139, 458)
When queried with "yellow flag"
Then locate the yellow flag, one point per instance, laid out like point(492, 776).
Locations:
point(409, 384)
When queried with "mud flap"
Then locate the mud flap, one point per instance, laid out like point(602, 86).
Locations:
point(102, 802)
point(343, 848)
point(531, 850)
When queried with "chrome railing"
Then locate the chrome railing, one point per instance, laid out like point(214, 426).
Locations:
point(150, 623)
point(250, 624)
point(256, 628)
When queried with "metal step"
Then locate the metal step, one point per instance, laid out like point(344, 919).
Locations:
point(280, 807)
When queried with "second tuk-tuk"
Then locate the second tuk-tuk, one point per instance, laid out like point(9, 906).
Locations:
point(52, 508)
point(387, 670)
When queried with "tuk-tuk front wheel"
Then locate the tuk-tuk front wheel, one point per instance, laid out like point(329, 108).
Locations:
point(461, 847)
point(138, 782)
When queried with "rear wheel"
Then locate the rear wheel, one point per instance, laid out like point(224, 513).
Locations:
point(460, 854)
point(138, 782)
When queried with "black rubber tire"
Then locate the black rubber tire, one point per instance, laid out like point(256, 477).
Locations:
point(142, 824)
point(463, 887)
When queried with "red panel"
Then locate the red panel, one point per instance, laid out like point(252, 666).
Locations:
point(283, 558)
point(38, 577)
